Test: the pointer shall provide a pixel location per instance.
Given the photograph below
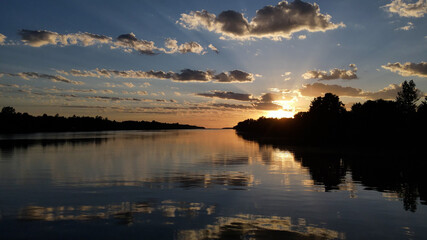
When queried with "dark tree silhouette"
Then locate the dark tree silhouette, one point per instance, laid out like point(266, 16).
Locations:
point(407, 97)
point(328, 105)
point(8, 111)
point(374, 122)
point(15, 122)
point(422, 108)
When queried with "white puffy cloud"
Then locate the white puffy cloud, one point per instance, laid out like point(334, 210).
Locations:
point(408, 68)
point(416, 9)
point(332, 74)
point(273, 22)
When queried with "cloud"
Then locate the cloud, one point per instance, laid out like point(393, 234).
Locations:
point(213, 48)
point(127, 42)
point(129, 84)
point(234, 76)
point(416, 10)
point(232, 106)
point(184, 75)
point(408, 27)
point(266, 106)
point(130, 43)
point(333, 74)
point(302, 37)
point(227, 95)
point(273, 22)
point(187, 47)
point(264, 102)
point(3, 39)
point(40, 38)
point(408, 68)
point(53, 78)
point(318, 89)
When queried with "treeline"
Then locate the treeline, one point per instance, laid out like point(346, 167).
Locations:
point(15, 122)
point(327, 122)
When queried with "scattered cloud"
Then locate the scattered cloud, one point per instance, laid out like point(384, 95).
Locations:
point(130, 43)
point(213, 48)
point(408, 27)
point(228, 95)
point(127, 42)
point(333, 74)
point(2, 39)
point(53, 78)
point(187, 47)
point(302, 37)
point(317, 89)
point(40, 38)
point(416, 9)
point(408, 68)
point(273, 22)
point(129, 84)
point(184, 75)
point(264, 102)
point(232, 106)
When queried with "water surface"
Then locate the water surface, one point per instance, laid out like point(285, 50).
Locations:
point(202, 184)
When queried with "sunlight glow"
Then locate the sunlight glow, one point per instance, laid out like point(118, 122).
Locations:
point(287, 111)
point(280, 114)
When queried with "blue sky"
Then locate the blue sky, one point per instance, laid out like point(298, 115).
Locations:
point(267, 60)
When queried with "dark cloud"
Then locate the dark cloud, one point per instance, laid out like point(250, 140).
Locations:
point(227, 95)
point(332, 74)
point(265, 102)
point(192, 75)
point(317, 89)
point(234, 76)
point(274, 22)
point(266, 106)
point(53, 78)
point(232, 106)
point(184, 75)
point(416, 9)
point(129, 42)
point(408, 69)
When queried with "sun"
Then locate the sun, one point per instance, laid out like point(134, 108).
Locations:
point(287, 111)
point(280, 114)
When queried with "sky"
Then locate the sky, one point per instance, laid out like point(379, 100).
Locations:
point(203, 62)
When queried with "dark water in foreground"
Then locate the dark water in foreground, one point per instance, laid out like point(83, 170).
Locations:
point(202, 184)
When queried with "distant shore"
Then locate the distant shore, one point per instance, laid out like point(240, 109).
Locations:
point(16, 122)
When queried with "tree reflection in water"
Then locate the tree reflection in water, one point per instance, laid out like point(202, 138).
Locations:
point(389, 172)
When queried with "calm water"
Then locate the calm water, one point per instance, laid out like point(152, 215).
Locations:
point(202, 184)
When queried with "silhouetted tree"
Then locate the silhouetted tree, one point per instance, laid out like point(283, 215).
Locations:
point(8, 111)
point(422, 108)
point(407, 97)
point(328, 105)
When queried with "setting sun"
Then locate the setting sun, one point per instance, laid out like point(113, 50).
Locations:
point(280, 114)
